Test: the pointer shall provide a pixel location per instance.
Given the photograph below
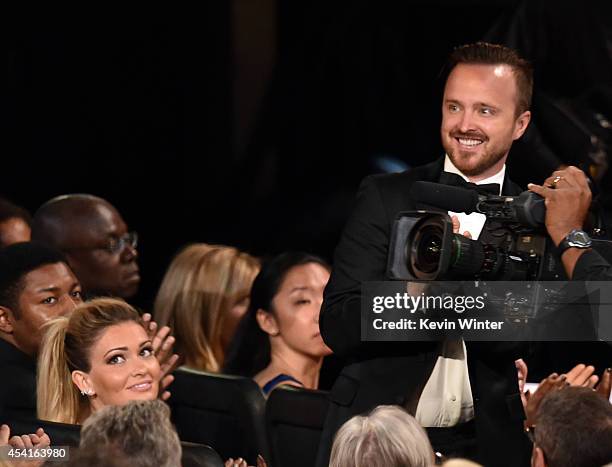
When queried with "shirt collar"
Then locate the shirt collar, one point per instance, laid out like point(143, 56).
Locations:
point(497, 178)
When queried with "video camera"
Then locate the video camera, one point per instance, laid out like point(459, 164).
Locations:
point(513, 244)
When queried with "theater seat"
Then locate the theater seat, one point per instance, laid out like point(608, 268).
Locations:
point(294, 419)
point(225, 412)
point(200, 455)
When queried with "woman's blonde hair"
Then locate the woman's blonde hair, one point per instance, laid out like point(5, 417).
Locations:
point(387, 437)
point(197, 293)
point(66, 346)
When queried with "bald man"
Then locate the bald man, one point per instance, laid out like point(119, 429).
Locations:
point(95, 239)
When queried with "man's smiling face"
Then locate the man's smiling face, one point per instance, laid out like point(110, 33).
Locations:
point(479, 118)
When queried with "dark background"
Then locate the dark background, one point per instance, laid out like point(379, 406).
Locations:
point(240, 122)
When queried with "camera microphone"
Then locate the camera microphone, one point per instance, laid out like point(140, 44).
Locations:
point(451, 198)
point(526, 208)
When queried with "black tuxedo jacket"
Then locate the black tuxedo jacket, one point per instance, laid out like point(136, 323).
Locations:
point(18, 387)
point(396, 373)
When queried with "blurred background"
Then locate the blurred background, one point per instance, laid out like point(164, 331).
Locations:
point(251, 122)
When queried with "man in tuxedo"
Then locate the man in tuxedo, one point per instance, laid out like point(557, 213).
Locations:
point(466, 396)
point(36, 285)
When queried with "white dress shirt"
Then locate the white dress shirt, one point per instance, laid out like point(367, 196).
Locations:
point(474, 222)
point(446, 399)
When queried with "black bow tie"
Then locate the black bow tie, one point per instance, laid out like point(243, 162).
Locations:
point(451, 179)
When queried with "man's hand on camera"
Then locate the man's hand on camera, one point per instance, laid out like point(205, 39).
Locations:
point(457, 227)
point(567, 198)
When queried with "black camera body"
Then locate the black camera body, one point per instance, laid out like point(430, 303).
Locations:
point(513, 244)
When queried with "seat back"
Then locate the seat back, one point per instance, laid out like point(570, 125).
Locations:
point(295, 419)
point(225, 412)
point(200, 455)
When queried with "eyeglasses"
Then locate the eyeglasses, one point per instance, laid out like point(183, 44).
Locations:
point(117, 245)
point(114, 245)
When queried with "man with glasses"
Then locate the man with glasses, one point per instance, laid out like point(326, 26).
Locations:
point(95, 239)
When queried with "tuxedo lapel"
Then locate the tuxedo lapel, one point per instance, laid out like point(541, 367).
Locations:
point(510, 188)
point(431, 173)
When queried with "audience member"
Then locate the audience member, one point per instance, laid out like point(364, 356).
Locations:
point(95, 240)
point(101, 355)
point(36, 285)
point(278, 342)
point(203, 297)
point(386, 437)
point(15, 223)
point(139, 431)
point(572, 426)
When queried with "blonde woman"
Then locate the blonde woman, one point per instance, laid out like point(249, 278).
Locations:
point(203, 296)
point(99, 356)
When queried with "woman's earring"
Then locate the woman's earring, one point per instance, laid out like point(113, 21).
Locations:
point(88, 392)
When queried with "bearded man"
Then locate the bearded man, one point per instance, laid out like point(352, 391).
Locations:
point(466, 396)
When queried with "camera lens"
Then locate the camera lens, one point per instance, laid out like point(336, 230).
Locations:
point(426, 248)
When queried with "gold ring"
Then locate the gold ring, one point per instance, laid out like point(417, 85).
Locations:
point(556, 180)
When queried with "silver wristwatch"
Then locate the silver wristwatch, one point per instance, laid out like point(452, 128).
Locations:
point(575, 239)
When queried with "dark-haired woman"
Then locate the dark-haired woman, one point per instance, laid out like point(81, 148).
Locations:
point(278, 342)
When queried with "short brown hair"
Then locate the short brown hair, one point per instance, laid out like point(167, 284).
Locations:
point(484, 53)
point(574, 428)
